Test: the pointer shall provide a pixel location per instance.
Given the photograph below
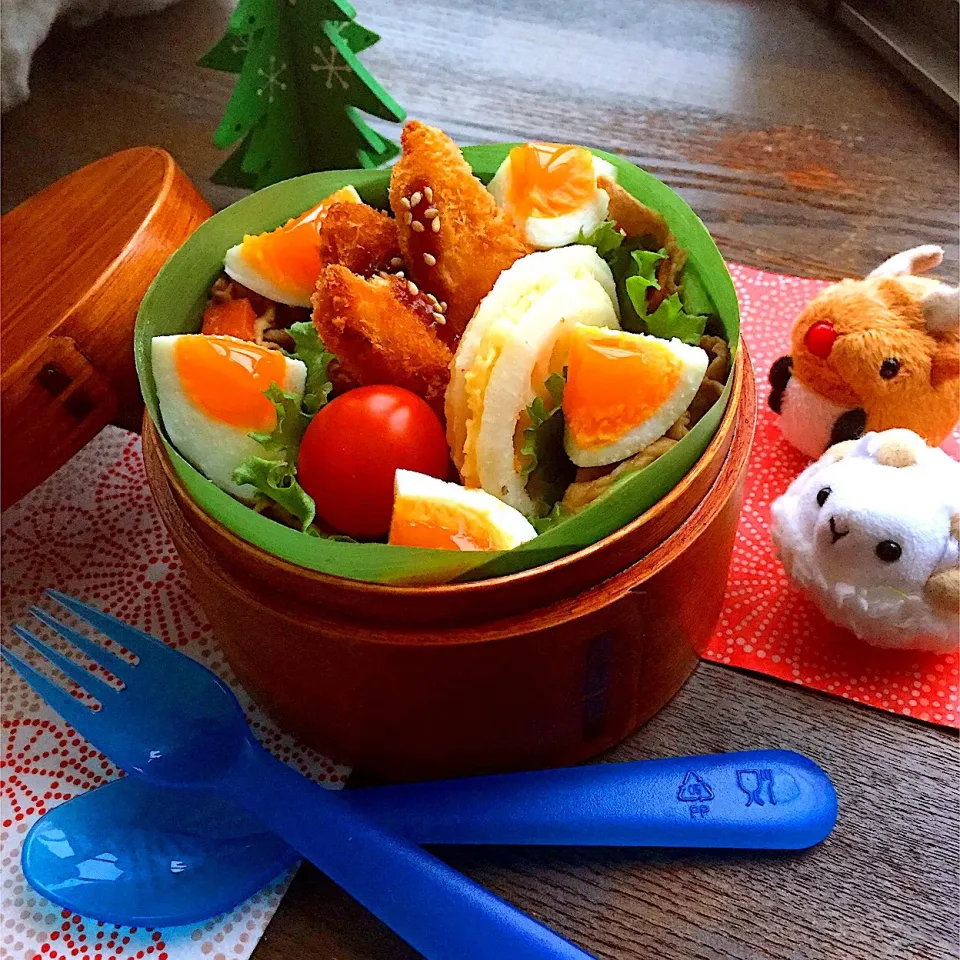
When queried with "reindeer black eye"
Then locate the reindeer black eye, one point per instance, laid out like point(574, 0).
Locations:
point(822, 495)
point(889, 368)
point(889, 551)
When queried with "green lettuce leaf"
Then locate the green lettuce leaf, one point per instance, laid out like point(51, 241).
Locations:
point(284, 441)
point(312, 351)
point(546, 465)
point(641, 276)
point(671, 320)
point(557, 513)
point(606, 238)
point(274, 474)
point(277, 480)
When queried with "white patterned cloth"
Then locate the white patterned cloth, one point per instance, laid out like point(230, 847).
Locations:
point(92, 531)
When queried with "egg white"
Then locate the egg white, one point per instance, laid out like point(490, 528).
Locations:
point(215, 448)
point(500, 517)
point(637, 436)
point(238, 268)
point(530, 351)
point(546, 233)
point(505, 305)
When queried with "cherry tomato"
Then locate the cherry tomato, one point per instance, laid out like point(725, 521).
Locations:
point(354, 446)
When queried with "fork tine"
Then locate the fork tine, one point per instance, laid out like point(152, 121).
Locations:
point(142, 644)
point(69, 708)
point(77, 673)
point(98, 654)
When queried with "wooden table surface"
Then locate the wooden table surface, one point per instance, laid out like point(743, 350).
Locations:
point(803, 154)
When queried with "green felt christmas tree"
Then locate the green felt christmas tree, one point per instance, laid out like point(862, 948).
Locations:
point(301, 93)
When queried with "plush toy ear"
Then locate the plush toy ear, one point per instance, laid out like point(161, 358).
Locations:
point(910, 262)
point(942, 591)
point(941, 309)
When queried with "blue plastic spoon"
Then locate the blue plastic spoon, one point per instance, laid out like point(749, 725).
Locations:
point(134, 853)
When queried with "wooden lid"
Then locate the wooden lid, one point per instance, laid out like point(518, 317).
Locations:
point(77, 259)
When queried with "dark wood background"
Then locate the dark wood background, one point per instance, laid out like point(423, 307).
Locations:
point(802, 153)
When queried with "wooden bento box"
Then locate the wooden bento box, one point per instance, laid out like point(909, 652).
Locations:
point(544, 666)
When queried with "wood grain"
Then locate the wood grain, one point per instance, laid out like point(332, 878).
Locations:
point(801, 150)
point(78, 258)
point(803, 153)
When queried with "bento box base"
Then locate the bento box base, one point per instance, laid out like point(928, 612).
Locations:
point(549, 686)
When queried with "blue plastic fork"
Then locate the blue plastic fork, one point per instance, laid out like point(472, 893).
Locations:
point(176, 724)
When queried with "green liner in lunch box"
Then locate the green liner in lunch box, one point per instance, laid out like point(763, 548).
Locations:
point(176, 300)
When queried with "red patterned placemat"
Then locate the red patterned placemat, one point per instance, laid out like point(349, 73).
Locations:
point(767, 625)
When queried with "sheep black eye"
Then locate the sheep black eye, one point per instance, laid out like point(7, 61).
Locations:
point(889, 551)
point(822, 495)
point(889, 368)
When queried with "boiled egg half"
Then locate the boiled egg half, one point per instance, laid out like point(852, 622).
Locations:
point(624, 390)
point(517, 338)
point(428, 512)
point(551, 192)
point(211, 394)
point(284, 264)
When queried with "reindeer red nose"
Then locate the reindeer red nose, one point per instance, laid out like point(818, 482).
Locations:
point(820, 338)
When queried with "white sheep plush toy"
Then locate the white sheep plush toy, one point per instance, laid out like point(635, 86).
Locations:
point(871, 532)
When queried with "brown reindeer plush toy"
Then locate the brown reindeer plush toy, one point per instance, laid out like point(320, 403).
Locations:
point(869, 355)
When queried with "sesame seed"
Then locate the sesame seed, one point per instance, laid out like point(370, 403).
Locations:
point(408, 218)
point(416, 226)
point(405, 203)
point(413, 288)
point(435, 224)
point(433, 299)
point(415, 198)
point(396, 262)
point(428, 193)
point(443, 305)
point(430, 213)
point(429, 259)
point(399, 274)
point(439, 318)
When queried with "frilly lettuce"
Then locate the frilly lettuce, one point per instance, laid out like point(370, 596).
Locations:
point(635, 272)
point(274, 474)
point(546, 465)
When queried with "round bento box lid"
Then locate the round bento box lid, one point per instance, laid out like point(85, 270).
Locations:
point(77, 260)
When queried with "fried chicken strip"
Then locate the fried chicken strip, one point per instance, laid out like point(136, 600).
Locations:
point(359, 238)
point(383, 330)
point(454, 239)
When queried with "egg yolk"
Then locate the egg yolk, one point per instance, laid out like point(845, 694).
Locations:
point(226, 379)
point(549, 179)
point(443, 526)
point(615, 381)
point(289, 256)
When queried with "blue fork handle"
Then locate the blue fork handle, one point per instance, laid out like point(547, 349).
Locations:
point(761, 799)
point(436, 909)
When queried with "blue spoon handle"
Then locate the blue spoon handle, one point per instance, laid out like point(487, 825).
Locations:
point(434, 908)
point(762, 799)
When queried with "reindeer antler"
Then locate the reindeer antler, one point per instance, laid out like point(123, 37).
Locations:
point(910, 262)
point(941, 309)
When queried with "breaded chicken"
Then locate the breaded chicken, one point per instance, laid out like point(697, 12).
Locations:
point(383, 330)
point(359, 238)
point(454, 239)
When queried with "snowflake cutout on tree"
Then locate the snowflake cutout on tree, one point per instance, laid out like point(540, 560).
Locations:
point(334, 65)
point(272, 82)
